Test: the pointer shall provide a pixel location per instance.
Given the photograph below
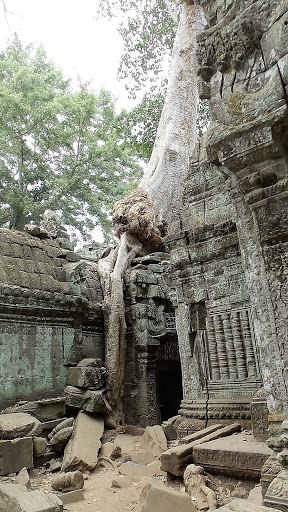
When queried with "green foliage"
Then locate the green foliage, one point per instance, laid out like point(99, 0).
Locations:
point(148, 30)
point(59, 149)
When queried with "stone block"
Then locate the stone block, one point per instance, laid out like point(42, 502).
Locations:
point(82, 449)
point(86, 377)
point(139, 471)
point(239, 505)
point(16, 498)
point(95, 401)
point(71, 497)
point(134, 431)
point(15, 455)
point(154, 440)
point(201, 433)
point(169, 430)
point(73, 396)
point(39, 446)
point(176, 459)
point(157, 497)
point(122, 482)
point(17, 425)
point(238, 456)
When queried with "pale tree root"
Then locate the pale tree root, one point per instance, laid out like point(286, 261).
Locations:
point(141, 231)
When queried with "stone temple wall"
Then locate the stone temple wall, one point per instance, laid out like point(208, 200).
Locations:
point(50, 316)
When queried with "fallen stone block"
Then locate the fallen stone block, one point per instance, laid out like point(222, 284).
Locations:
point(133, 430)
point(71, 496)
point(73, 396)
point(17, 425)
point(70, 481)
point(142, 457)
point(86, 377)
point(16, 498)
point(39, 446)
point(238, 456)
point(81, 452)
point(239, 505)
point(169, 430)
point(176, 459)
point(61, 438)
point(43, 460)
point(90, 361)
point(67, 422)
point(15, 455)
point(122, 482)
point(139, 471)
point(44, 410)
point(157, 497)
point(23, 478)
point(95, 401)
point(201, 433)
point(154, 440)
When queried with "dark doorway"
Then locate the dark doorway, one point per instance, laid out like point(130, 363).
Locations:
point(170, 394)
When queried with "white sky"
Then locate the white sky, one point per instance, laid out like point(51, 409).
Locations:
point(72, 38)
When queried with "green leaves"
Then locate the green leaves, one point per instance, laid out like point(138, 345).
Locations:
point(59, 149)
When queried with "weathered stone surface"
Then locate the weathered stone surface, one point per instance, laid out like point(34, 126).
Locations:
point(157, 497)
point(86, 377)
point(23, 478)
point(17, 425)
point(176, 459)
point(71, 497)
point(238, 456)
point(259, 416)
point(16, 498)
point(61, 438)
point(68, 481)
point(134, 430)
point(15, 455)
point(121, 482)
point(82, 449)
point(154, 440)
point(67, 422)
point(39, 446)
point(140, 471)
point(201, 433)
point(197, 487)
point(169, 430)
point(239, 505)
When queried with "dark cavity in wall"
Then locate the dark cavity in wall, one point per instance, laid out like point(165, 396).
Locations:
point(169, 388)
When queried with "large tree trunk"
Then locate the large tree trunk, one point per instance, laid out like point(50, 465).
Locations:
point(140, 220)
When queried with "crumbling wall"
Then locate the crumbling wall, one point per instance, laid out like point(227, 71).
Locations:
point(50, 315)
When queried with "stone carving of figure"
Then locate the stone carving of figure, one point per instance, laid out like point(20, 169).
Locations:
point(196, 485)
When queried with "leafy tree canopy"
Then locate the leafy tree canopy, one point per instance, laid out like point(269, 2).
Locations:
point(59, 148)
point(148, 29)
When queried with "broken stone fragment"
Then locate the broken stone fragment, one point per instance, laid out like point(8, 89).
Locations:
point(73, 396)
point(121, 482)
point(176, 459)
point(61, 438)
point(157, 497)
point(15, 455)
point(140, 471)
point(239, 505)
point(39, 446)
point(86, 377)
point(70, 481)
point(169, 430)
point(23, 478)
point(154, 440)
point(17, 425)
point(71, 497)
point(89, 361)
point(63, 424)
point(16, 498)
point(95, 401)
point(82, 449)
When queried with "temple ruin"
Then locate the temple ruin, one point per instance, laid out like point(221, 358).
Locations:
point(206, 314)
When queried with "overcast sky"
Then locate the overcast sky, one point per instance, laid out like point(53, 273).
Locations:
point(72, 37)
